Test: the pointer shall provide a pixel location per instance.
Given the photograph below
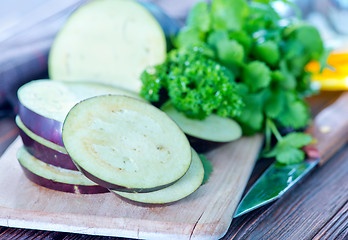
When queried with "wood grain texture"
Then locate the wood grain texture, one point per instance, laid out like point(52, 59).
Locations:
point(330, 128)
point(206, 214)
point(336, 227)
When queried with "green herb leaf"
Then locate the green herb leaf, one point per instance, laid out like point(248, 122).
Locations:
point(268, 52)
point(243, 39)
point(310, 38)
point(230, 52)
point(289, 155)
point(296, 139)
point(199, 17)
point(292, 48)
point(196, 84)
point(252, 117)
point(287, 150)
point(228, 15)
point(189, 37)
point(208, 167)
point(153, 80)
point(217, 36)
point(295, 112)
point(275, 103)
point(289, 81)
point(257, 75)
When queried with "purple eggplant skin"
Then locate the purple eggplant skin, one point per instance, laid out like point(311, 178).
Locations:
point(46, 154)
point(203, 146)
point(63, 187)
point(44, 127)
point(115, 187)
point(169, 25)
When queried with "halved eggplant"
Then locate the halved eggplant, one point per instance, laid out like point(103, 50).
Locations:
point(43, 104)
point(125, 144)
point(207, 133)
point(189, 183)
point(43, 149)
point(56, 178)
point(112, 41)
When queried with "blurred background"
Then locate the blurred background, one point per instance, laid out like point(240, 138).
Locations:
point(28, 27)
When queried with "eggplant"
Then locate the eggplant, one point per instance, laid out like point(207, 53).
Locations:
point(184, 187)
point(44, 150)
point(170, 26)
point(44, 104)
point(56, 178)
point(125, 144)
point(207, 133)
point(112, 41)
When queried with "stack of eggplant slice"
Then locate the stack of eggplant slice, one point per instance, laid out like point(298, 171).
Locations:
point(103, 139)
point(84, 134)
point(43, 105)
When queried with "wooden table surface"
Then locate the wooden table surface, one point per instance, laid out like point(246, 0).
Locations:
point(317, 208)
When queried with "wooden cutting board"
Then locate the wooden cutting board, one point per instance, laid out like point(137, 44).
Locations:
point(206, 214)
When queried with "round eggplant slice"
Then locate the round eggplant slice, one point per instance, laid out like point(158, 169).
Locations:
point(44, 104)
point(203, 134)
point(56, 178)
point(109, 40)
point(125, 144)
point(44, 150)
point(179, 190)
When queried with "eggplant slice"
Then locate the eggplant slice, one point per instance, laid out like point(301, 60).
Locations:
point(44, 104)
point(109, 40)
point(207, 133)
point(188, 184)
point(56, 178)
point(125, 144)
point(43, 149)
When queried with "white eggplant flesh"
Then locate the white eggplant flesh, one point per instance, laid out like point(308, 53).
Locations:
point(112, 41)
point(125, 144)
point(188, 184)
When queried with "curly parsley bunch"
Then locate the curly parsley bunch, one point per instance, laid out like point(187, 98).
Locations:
point(194, 83)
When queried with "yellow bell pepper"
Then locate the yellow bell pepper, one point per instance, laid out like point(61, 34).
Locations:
point(333, 78)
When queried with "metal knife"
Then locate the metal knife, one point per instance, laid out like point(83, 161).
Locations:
point(330, 129)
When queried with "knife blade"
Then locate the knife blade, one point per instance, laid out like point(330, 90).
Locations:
point(330, 129)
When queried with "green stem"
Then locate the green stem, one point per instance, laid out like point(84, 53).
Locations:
point(274, 130)
point(268, 135)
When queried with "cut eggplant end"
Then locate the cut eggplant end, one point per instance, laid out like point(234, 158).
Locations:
point(44, 104)
point(126, 144)
point(214, 128)
point(112, 41)
point(188, 184)
point(44, 150)
point(56, 178)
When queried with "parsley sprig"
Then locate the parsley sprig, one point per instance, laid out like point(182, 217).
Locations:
point(267, 55)
point(287, 149)
point(263, 54)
